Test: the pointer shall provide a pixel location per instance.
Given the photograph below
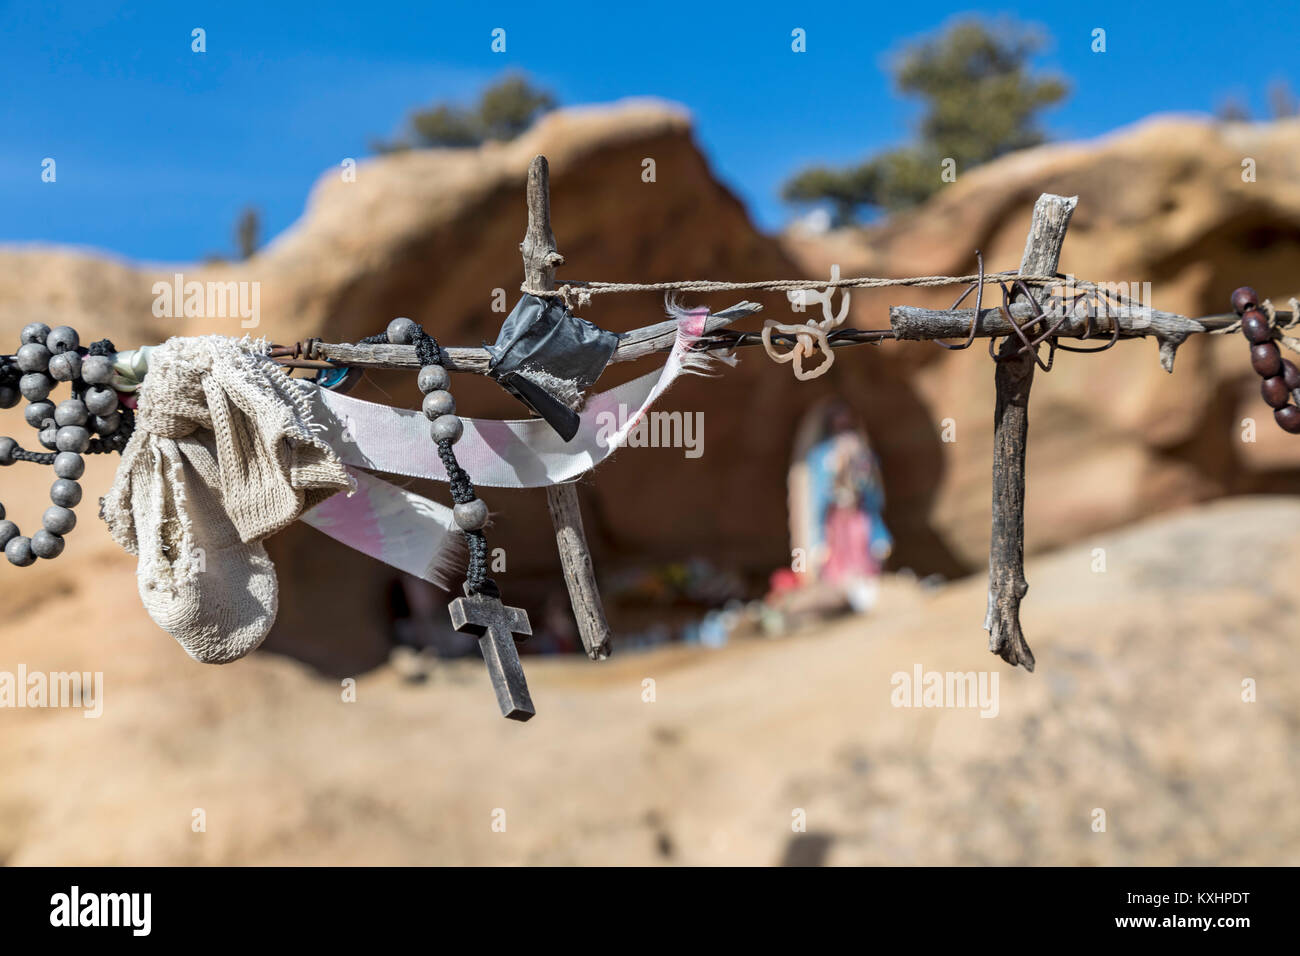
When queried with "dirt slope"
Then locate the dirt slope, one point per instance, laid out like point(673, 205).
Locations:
point(1136, 709)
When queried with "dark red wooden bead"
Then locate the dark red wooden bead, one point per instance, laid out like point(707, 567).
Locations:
point(1244, 299)
point(1275, 391)
point(1265, 359)
point(1290, 374)
point(1255, 327)
point(1289, 419)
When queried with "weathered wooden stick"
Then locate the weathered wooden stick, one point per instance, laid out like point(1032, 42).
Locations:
point(579, 573)
point(1014, 378)
point(540, 260)
point(1168, 328)
point(906, 323)
point(632, 345)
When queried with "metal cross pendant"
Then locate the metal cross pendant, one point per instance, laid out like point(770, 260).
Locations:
point(495, 625)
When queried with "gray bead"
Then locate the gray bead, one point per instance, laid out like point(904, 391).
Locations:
point(65, 367)
point(71, 412)
point(38, 413)
point(438, 403)
point(62, 339)
point(58, 520)
point(9, 396)
point(101, 400)
point(72, 438)
point(8, 531)
point(35, 386)
point(19, 551)
point(447, 428)
point(34, 332)
point(65, 493)
point(431, 377)
point(106, 424)
point(399, 331)
point(46, 545)
point(33, 357)
point(49, 437)
point(7, 448)
point(68, 464)
point(472, 515)
point(96, 370)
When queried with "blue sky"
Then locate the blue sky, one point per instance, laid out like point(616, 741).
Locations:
point(158, 148)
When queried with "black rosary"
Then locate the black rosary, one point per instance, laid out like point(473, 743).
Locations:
point(480, 612)
point(91, 422)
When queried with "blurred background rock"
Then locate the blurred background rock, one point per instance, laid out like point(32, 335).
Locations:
point(1137, 704)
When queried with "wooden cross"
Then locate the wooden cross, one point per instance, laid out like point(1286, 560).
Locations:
point(495, 625)
point(1013, 378)
point(540, 259)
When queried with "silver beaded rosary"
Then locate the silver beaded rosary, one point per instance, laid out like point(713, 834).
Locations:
point(480, 612)
point(92, 421)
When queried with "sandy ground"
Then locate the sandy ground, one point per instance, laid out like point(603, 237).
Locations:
point(1136, 710)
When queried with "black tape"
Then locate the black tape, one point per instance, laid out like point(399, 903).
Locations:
point(542, 336)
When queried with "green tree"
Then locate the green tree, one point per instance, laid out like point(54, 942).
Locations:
point(508, 108)
point(503, 111)
point(1281, 100)
point(981, 101)
point(445, 126)
point(248, 232)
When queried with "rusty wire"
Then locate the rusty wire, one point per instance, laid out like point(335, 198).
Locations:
point(978, 288)
point(1088, 297)
point(1041, 314)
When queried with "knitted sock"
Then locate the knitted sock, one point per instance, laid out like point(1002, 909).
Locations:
point(216, 595)
point(223, 455)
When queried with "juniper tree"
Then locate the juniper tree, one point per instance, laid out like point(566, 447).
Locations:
point(981, 101)
point(503, 111)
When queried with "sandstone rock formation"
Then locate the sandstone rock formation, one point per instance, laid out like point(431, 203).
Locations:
point(1112, 437)
point(433, 235)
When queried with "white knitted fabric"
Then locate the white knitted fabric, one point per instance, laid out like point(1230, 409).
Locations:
point(223, 455)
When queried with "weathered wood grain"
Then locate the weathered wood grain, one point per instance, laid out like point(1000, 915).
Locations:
point(540, 260)
point(1168, 328)
point(632, 345)
point(1013, 379)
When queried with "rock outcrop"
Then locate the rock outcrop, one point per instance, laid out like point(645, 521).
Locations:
point(1112, 436)
point(434, 235)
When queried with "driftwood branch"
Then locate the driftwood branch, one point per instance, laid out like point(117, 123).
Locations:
point(579, 573)
point(1014, 378)
point(1168, 328)
point(631, 346)
point(540, 260)
point(907, 323)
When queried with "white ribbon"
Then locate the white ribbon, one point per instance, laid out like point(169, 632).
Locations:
point(418, 536)
point(502, 454)
point(393, 525)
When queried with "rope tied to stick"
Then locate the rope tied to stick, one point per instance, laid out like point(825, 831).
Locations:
point(581, 292)
point(810, 336)
point(1274, 322)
